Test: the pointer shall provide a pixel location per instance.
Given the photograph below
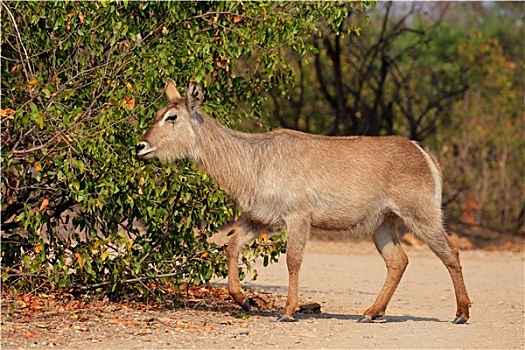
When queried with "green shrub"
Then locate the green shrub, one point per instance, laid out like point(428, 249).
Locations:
point(80, 83)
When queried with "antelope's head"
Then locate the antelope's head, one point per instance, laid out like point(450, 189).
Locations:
point(172, 134)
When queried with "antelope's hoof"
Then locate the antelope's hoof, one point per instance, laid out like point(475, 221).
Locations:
point(460, 320)
point(246, 305)
point(365, 319)
point(285, 318)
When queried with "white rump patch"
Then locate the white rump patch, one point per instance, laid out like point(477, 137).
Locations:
point(435, 174)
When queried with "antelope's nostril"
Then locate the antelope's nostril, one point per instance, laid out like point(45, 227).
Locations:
point(140, 146)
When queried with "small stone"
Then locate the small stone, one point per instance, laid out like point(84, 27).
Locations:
point(310, 308)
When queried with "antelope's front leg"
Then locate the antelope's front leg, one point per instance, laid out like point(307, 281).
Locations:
point(234, 285)
point(243, 234)
point(297, 236)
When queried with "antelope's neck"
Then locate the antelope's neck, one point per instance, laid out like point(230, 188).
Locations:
point(225, 155)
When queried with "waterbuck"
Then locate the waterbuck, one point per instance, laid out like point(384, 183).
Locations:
point(297, 181)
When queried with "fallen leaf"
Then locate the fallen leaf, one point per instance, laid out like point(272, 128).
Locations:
point(27, 298)
point(36, 306)
point(116, 320)
point(81, 17)
point(59, 309)
point(28, 335)
point(237, 19)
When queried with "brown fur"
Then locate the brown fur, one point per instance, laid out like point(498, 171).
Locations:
point(300, 181)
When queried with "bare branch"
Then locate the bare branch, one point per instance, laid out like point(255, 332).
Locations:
point(21, 42)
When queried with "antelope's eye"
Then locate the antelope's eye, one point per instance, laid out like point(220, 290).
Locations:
point(171, 118)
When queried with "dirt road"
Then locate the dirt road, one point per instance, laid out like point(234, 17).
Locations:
point(344, 279)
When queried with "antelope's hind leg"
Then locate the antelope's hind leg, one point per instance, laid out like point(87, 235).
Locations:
point(396, 260)
point(441, 245)
point(245, 232)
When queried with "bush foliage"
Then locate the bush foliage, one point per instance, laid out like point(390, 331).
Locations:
point(80, 82)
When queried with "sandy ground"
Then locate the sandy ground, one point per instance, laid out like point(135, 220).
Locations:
point(344, 278)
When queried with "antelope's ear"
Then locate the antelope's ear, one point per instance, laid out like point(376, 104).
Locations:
point(171, 91)
point(194, 95)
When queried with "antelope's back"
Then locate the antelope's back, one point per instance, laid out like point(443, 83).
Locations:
point(347, 181)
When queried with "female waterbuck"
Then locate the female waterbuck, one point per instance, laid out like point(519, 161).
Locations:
point(297, 181)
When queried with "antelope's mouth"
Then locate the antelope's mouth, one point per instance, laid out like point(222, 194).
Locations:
point(144, 150)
